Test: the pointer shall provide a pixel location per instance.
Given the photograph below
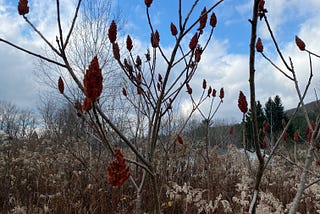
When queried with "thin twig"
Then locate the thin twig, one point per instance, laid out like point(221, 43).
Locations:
point(42, 36)
point(276, 43)
point(32, 53)
point(72, 25)
point(59, 23)
point(274, 65)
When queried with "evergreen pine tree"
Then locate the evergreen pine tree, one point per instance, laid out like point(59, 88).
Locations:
point(260, 117)
point(275, 115)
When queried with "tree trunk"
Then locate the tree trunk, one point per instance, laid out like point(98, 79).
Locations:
point(259, 174)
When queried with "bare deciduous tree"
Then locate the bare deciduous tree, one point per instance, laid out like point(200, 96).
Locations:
point(260, 12)
point(157, 88)
point(15, 122)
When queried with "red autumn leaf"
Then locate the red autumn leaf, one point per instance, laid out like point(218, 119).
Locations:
point(23, 8)
point(189, 89)
point(179, 138)
point(112, 32)
point(301, 45)
point(259, 45)
point(242, 103)
point(118, 171)
point(148, 2)
point(124, 92)
point(173, 29)
point(203, 19)
point(221, 95)
point(116, 50)
point(155, 39)
point(60, 85)
point(204, 84)
point(213, 20)
point(93, 80)
point(129, 43)
point(193, 42)
point(296, 136)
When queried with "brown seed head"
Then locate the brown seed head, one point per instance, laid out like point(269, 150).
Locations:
point(124, 92)
point(148, 2)
point(116, 50)
point(87, 104)
point(138, 62)
point(23, 8)
point(209, 91)
point(204, 84)
point(129, 43)
point(221, 95)
point(296, 136)
point(160, 78)
point(60, 85)
point(118, 171)
point(203, 19)
point(189, 89)
point(155, 39)
point(93, 80)
point(179, 138)
point(264, 144)
point(112, 32)
point(259, 46)
point(301, 45)
point(193, 42)
point(261, 6)
point(242, 103)
point(214, 93)
point(213, 20)
point(197, 53)
point(173, 29)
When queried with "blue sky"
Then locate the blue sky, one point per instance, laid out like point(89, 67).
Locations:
point(225, 63)
point(232, 23)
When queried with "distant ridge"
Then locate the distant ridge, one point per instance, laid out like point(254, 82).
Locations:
point(312, 107)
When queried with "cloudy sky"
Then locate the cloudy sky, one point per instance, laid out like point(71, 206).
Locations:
point(224, 64)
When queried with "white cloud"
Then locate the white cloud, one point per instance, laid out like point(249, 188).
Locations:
point(220, 66)
point(17, 80)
